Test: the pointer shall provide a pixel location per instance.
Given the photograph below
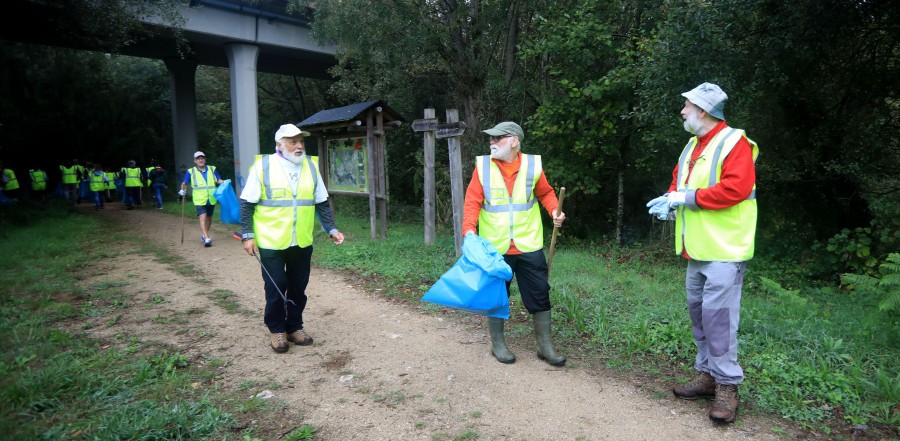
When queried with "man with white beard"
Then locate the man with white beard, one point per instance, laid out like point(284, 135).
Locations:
point(279, 204)
point(500, 202)
point(713, 195)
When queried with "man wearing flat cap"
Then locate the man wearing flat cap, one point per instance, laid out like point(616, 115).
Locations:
point(713, 200)
point(500, 202)
point(279, 205)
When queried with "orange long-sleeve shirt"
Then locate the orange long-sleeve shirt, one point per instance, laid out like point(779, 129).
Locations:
point(475, 195)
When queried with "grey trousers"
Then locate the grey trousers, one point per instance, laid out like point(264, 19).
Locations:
point(714, 303)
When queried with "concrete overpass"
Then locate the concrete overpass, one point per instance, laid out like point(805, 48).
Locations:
point(223, 33)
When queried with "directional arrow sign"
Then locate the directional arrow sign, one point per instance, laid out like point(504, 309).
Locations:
point(425, 125)
point(450, 129)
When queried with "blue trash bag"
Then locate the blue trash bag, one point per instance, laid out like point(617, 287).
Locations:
point(5, 200)
point(60, 190)
point(85, 191)
point(230, 212)
point(476, 283)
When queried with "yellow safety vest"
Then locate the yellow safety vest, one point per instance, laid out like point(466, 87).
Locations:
point(12, 183)
point(38, 179)
point(147, 182)
point(203, 186)
point(508, 217)
point(69, 174)
point(132, 176)
point(111, 178)
point(727, 234)
point(97, 181)
point(280, 217)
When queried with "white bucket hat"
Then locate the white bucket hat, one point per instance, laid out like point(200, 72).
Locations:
point(708, 97)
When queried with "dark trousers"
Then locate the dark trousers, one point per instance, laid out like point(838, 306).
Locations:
point(133, 196)
point(289, 269)
point(531, 274)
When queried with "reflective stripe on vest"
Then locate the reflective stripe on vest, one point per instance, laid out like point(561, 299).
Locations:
point(282, 218)
point(506, 217)
point(203, 185)
point(132, 177)
point(97, 182)
point(12, 183)
point(726, 234)
point(69, 175)
point(38, 179)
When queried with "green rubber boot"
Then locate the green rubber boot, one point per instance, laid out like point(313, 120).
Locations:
point(498, 343)
point(542, 336)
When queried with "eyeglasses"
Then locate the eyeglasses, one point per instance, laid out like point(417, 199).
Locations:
point(499, 138)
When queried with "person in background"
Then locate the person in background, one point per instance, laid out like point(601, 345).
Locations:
point(82, 186)
point(149, 182)
point(10, 183)
point(500, 202)
point(713, 199)
point(203, 180)
point(279, 204)
point(134, 177)
point(158, 181)
point(38, 183)
point(69, 178)
point(98, 183)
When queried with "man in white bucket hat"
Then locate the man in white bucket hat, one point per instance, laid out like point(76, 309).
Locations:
point(713, 200)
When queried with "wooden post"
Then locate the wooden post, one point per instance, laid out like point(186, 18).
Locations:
point(429, 182)
point(370, 151)
point(382, 172)
point(456, 182)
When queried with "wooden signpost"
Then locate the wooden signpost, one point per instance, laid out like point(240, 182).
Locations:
point(452, 130)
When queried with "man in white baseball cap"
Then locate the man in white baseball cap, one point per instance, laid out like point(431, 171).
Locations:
point(283, 197)
point(713, 195)
point(203, 180)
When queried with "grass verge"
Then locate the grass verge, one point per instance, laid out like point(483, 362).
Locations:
point(58, 383)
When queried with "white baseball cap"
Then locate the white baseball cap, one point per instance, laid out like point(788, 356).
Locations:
point(198, 153)
point(289, 131)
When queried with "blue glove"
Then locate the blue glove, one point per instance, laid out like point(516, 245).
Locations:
point(676, 199)
point(661, 211)
point(658, 201)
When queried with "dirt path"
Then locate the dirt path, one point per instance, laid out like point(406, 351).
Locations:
point(378, 370)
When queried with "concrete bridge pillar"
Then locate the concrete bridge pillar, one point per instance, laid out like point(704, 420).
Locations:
point(184, 113)
point(244, 108)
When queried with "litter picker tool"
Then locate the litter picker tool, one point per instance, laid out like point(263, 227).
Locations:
point(183, 197)
point(562, 195)
point(286, 301)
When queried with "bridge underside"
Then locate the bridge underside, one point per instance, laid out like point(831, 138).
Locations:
point(222, 33)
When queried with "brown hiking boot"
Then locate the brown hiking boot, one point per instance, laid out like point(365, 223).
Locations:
point(704, 386)
point(299, 337)
point(278, 344)
point(725, 405)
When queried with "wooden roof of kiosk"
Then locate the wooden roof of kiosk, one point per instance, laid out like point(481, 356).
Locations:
point(370, 119)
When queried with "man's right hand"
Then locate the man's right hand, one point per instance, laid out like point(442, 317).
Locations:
point(250, 246)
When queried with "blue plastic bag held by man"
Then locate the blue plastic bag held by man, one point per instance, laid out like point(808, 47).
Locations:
point(231, 208)
point(476, 283)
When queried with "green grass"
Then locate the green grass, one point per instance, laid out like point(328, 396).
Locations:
point(59, 384)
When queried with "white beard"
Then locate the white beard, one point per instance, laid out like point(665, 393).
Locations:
point(692, 123)
point(296, 160)
point(503, 153)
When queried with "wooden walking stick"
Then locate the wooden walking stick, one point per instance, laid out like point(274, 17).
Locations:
point(562, 195)
point(183, 197)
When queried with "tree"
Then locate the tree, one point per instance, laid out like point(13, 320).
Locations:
point(588, 114)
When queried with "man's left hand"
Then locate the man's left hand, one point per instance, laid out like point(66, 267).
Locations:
point(558, 218)
point(338, 238)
